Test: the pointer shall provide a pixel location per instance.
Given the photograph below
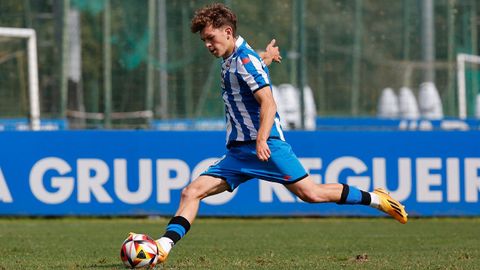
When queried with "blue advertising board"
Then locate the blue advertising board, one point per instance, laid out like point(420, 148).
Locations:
point(433, 173)
point(23, 124)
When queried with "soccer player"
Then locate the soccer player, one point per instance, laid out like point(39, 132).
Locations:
point(256, 147)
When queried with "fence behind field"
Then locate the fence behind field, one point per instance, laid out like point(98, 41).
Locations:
point(117, 64)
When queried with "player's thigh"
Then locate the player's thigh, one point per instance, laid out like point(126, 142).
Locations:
point(304, 189)
point(309, 191)
point(204, 186)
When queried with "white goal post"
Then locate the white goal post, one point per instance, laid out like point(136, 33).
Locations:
point(34, 96)
point(462, 58)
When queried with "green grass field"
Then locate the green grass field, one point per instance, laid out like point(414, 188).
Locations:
point(297, 243)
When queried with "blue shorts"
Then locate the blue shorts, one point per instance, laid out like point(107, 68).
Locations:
point(241, 163)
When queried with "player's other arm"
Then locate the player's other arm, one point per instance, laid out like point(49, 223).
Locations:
point(271, 54)
point(268, 109)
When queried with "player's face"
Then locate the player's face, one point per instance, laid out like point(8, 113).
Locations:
point(219, 41)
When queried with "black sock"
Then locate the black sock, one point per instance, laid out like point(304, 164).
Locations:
point(352, 195)
point(177, 228)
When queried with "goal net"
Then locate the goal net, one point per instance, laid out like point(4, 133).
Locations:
point(14, 79)
point(468, 82)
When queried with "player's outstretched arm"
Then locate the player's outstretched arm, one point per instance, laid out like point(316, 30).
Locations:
point(271, 53)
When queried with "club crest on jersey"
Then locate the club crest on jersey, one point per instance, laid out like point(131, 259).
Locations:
point(245, 60)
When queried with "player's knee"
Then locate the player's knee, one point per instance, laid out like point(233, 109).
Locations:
point(308, 196)
point(191, 193)
point(311, 196)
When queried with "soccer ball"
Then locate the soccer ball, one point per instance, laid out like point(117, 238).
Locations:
point(139, 250)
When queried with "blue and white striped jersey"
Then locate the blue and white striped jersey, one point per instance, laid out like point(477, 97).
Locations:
point(243, 73)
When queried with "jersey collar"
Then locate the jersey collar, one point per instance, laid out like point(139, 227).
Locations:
point(239, 42)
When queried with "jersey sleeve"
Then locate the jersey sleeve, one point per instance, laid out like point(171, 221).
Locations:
point(253, 71)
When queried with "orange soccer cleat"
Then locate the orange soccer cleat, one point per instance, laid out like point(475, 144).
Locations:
point(391, 206)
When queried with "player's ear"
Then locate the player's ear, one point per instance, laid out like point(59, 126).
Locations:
point(229, 31)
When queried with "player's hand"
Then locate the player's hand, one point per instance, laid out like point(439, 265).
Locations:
point(273, 52)
point(263, 151)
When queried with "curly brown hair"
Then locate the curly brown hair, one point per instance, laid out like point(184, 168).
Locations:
point(216, 15)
